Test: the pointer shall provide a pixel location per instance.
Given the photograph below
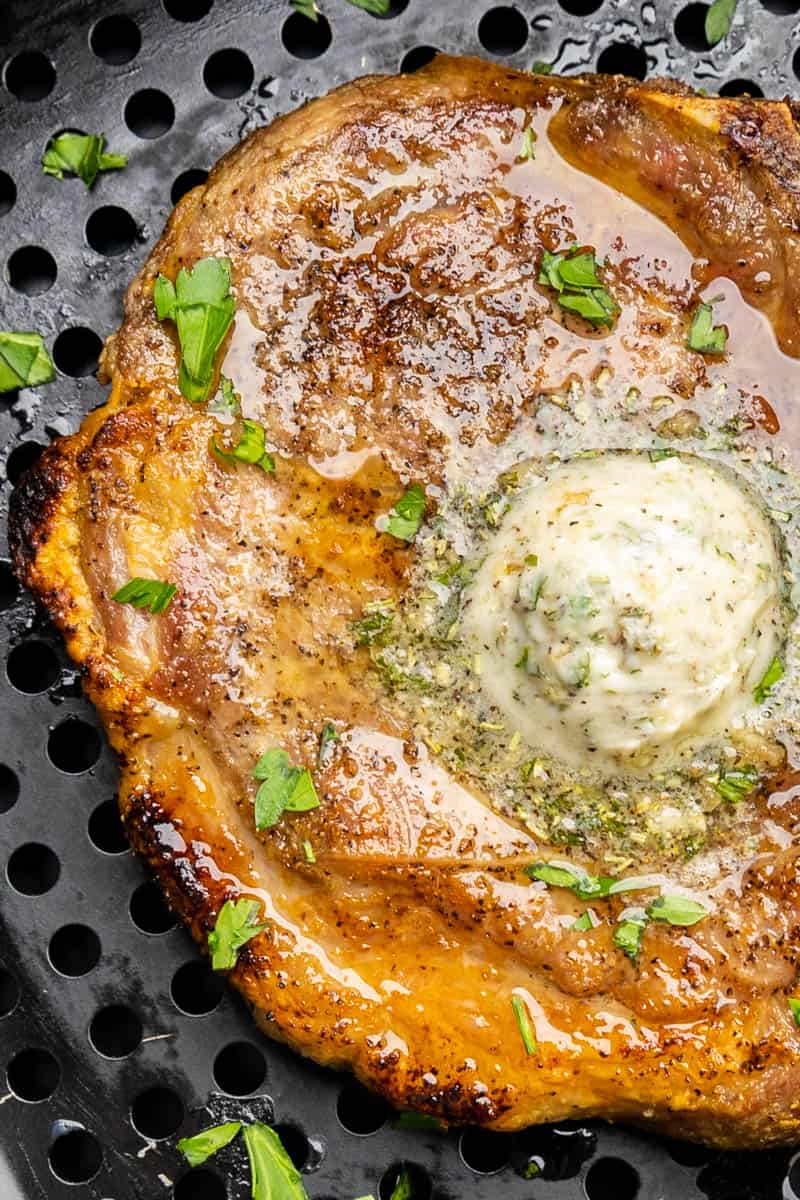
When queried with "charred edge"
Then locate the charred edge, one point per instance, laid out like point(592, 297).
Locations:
point(146, 820)
point(32, 508)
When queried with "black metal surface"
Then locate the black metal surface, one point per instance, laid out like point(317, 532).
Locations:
point(114, 1037)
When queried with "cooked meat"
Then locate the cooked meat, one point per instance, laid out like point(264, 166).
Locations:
point(385, 246)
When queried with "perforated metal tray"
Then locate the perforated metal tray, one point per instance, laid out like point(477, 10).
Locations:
point(115, 1038)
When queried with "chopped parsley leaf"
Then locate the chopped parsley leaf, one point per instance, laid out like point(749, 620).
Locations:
point(202, 306)
point(202, 1145)
point(794, 1008)
point(272, 1172)
point(80, 154)
point(146, 593)
point(584, 921)
point(541, 68)
point(405, 518)
point(628, 936)
point(658, 455)
point(306, 8)
point(676, 910)
point(719, 17)
point(248, 449)
point(24, 361)
point(524, 1024)
point(704, 336)
point(763, 688)
point(573, 275)
point(284, 788)
point(378, 8)
point(308, 852)
point(235, 927)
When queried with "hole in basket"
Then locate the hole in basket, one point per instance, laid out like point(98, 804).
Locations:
point(740, 87)
point(503, 31)
point(32, 667)
point(148, 910)
point(30, 75)
point(111, 230)
point(361, 1111)
point(419, 57)
point(623, 58)
point(116, 40)
point(75, 1157)
point(115, 1031)
point(149, 113)
point(9, 788)
point(305, 38)
point(187, 180)
point(687, 1153)
point(187, 10)
point(556, 1152)
point(22, 457)
point(196, 990)
point(611, 1179)
point(33, 1075)
point(33, 869)
point(793, 1177)
point(200, 1184)
point(76, 351)
point(483, 1151)
point(690, 27)
point(73, 746)
point(240, 1069)
point(106, 829)
point(295, 1143)
point(8, 193)
point(9, 588)
point(781, 8)
point(228, 74)
point(157, 1113)
point(9, 993)
point(32, 270)
point(74, 950)
point(420, 1181)
point(580, 8)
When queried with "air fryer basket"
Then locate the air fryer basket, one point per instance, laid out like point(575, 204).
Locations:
point(116, 1039)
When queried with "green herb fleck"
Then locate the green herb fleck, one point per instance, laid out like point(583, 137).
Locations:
point(405, 518)
point(202, 306)
point(524, 1024)
point(794, 1008)
point(80, 154)
point(308, 851)
point(764, 687)
point(718, 20)
point(146, 593)
point(583, 922)
point(24, 361)
point(541, 68)
point(522, 661)
point(248, 449)
point(585, 887)
point(284, 788)
point(201, 1146)
point(733, 786)
point(676, 910)
point(659, 455)
point(273, 1175)
point(628, 936)
point(704, 336)
point(234, 928)
point(374, 625)
point(417, 1120)
point(326, 738)
point(573, 275)
point(227, 402)
point(528, 147)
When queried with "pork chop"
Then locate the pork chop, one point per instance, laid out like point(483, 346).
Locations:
point(395, 326)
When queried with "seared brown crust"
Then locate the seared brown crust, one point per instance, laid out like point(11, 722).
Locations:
point(384, 246)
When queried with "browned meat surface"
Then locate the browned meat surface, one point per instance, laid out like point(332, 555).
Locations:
point(385, 243)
